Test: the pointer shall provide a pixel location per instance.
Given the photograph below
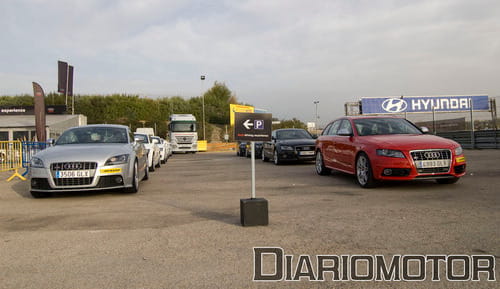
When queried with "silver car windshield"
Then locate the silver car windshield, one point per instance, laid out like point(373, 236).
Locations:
point(381, 126)
point(85, 135)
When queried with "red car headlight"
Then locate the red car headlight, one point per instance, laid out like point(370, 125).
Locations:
point(390, 153)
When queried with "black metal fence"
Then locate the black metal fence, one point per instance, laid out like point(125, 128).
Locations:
point(481, 139)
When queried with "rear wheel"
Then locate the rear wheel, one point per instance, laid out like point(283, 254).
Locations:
point(264, 158)
point(364, 173)
point(320, 165)
point(447, 181)
point(146, 174)
point(152, 167)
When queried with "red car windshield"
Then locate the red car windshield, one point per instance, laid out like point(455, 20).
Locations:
point(382, 126)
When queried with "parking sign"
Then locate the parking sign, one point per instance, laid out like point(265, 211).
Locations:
point(252, 126)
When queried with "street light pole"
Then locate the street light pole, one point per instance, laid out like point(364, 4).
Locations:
point(316, 114)
point(203, 104)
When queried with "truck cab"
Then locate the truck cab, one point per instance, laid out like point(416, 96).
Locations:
point(182, 133)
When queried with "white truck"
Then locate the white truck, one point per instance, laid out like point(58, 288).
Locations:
point(145, 130)
point(182, 133)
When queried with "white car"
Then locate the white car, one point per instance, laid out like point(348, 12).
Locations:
point(168, 147)
point(153, 151)
point(163, 148)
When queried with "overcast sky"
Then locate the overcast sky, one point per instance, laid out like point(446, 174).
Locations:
point(279, 55)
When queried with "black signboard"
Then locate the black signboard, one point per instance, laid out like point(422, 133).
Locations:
point(30, 110)
point(252, 126)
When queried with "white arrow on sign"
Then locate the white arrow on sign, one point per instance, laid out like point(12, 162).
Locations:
point(247, 124)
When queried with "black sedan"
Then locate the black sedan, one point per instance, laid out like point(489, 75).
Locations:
point(258, 149)
point(241, 149)
point(290, 144)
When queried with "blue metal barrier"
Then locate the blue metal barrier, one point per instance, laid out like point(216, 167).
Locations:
point(29, 149)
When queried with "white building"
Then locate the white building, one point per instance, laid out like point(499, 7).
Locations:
point(14, 127)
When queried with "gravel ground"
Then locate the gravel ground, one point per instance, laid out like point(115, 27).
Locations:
point(182, 230)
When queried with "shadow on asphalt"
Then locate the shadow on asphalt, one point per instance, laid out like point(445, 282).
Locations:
point(218, 216)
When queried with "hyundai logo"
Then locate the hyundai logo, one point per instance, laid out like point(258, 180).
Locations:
point(432, 155)
point(394, 105)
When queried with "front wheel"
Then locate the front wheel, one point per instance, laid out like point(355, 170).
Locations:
point(364, 173)
point(135, 181)
point(320, 165)
point(276, 158)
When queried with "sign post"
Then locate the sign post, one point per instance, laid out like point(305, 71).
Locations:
point(253, 127)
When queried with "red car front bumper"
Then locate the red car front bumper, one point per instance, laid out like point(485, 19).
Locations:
point(389, 168)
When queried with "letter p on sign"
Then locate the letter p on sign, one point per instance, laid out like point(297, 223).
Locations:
point(258, 124)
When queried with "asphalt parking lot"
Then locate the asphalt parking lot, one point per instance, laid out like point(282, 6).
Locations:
point(182, 230)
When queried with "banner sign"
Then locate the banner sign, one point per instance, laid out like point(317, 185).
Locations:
point(30, 110)
point(447, 103)
point(62, 76)
point(40, 119)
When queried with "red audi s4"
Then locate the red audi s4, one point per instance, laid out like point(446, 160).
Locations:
point(387, 148)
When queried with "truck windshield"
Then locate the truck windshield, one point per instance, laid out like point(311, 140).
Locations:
point(183, 126)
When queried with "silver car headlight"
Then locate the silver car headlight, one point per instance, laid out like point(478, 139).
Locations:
point(459, 150)
point(390, 153)
point(36, 163)
point(287, 148)
point(117, 160)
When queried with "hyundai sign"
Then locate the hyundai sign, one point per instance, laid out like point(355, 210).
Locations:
point(446, 103)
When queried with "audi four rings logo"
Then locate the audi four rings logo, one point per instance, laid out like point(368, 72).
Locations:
point(73, 166)
point(394, 105)
point(69, 166)
point(432, 155)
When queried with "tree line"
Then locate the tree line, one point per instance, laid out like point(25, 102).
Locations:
point(135, 111)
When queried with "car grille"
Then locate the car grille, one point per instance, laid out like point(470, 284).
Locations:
point(304, 148)
point(72, 166)
point(432, 155)
point(67, 182)
point(184, 139)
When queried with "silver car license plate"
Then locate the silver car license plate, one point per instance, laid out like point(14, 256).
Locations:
point(72, 174)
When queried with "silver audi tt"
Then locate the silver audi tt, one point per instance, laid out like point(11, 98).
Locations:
point(92, 157)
